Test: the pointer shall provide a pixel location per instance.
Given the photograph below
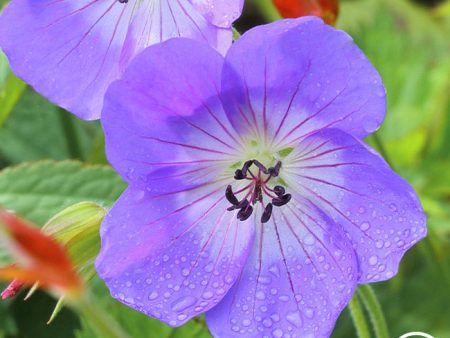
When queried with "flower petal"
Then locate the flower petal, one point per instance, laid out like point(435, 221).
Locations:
point(350, 182)
point(70, 51)
point(165, 115)
point(221, 13)
point(298, 76)
point(172, 256)
point(300, 275)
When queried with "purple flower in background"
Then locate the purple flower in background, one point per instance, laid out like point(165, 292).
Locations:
point(70, 51)
point(252, 197)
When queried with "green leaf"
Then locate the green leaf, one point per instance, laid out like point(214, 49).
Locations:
point(37, 130)
point(7, 325)
point(38, 190)
point(11, 88)
point(9, 95)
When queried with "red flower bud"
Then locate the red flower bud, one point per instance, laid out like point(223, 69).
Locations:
point(326, 9)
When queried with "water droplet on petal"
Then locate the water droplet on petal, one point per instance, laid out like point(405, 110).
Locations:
point(153, 295)
point(278, 333)
point(309, 313)
point(260, 295)
point(373, 260)
point(267, 322)
point(183, 303)
point(181, 316)
point(207, 295)
point(294, 318)
point(246, 322)
point(365, 226)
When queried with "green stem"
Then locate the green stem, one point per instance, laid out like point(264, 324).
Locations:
point(359, 320)
point(71, 136)
point(100, 322)
point(236, 34)
point(267, 10)
point(373, 307)
point(97, 152)
point(381, 148)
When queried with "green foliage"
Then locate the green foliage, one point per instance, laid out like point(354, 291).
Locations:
point(7, 323)
point(11, 88)
point(39, 190)
point(38, 130)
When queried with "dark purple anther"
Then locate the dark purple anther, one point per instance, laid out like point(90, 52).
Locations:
point(279, 190)
point(242, 204)
point(275, 171)
point(230, 196)
point(282, 200)
point(267, 213)
point(246, 166)
point(239, 175)
point(245, 213)
point(260, 166)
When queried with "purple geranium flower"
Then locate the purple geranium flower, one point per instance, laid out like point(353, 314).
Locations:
point(252, 197)
point(70, 51)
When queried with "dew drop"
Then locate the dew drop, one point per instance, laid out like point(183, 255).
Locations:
point(246, 322)
point(365, 226)
point(294, 318)
point(265, 280)
point(181, 316)
point(278, 333)
point(209, 268)
point(275, 318)
point(207, 295)
point(183, 303)
point(153, 295)
point(373, 260)
point(267, 322)
point(260, 295)
point(309, 313)
point(308, 240)
point(274, 270)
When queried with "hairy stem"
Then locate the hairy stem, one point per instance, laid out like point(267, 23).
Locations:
point(359, 320)
point(373, 307)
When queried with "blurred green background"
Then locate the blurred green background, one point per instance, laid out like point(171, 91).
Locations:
point(409, 43)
